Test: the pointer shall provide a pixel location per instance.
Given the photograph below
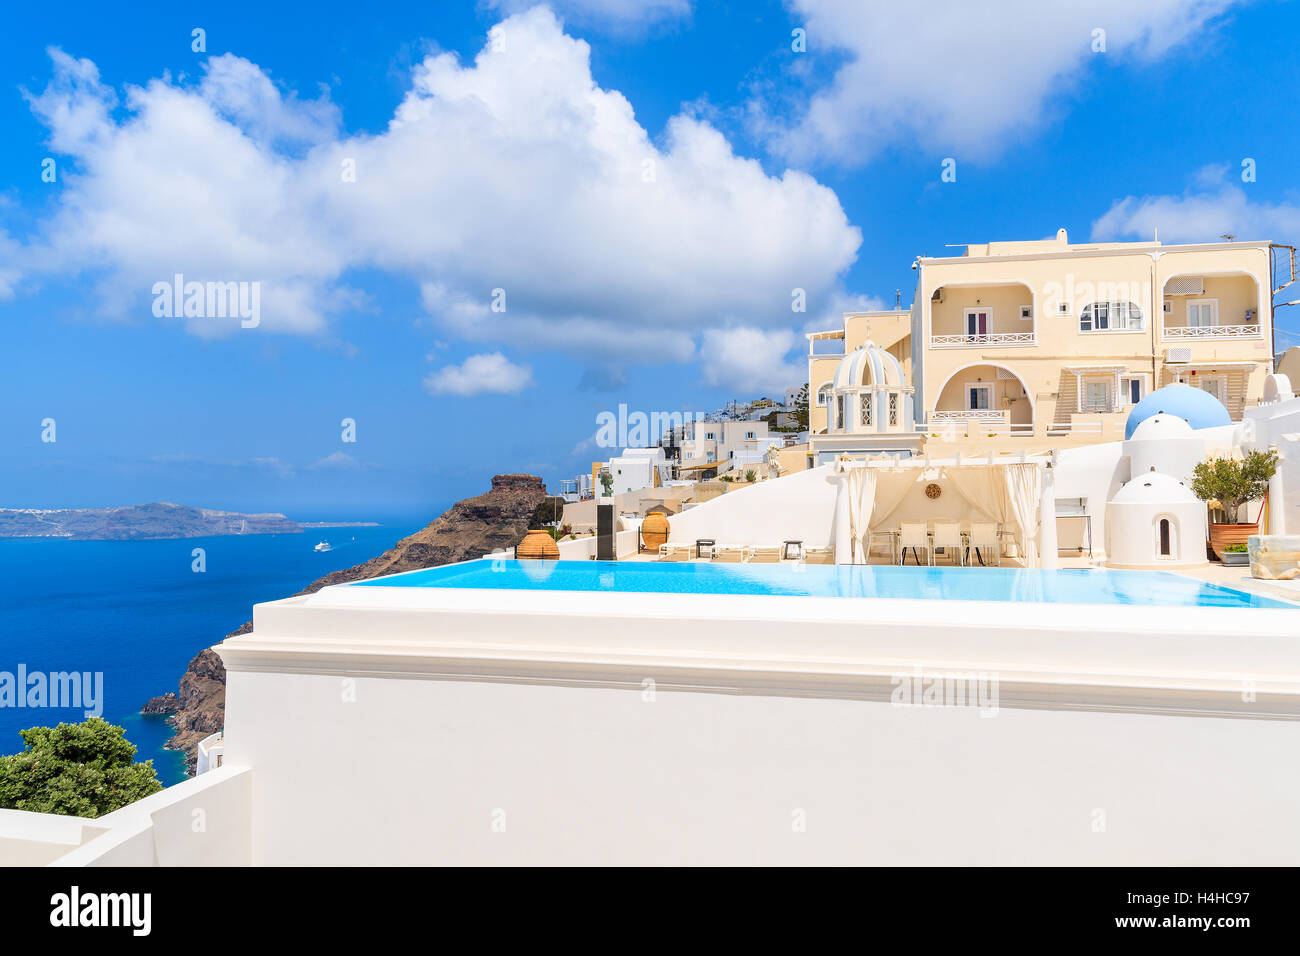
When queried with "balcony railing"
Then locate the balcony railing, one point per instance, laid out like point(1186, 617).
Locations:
point(975, 341)
point(1212, 331)
point(969, 415)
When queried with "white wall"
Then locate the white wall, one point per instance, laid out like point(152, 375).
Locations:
point(204, 821)
point(800, 507)
point(1279, 425)
point(584, 776)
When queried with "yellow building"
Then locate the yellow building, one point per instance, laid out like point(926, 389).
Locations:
point(1049, 343)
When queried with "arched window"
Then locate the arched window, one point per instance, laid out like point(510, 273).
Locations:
point(824, 394)
point(1118, 316)
point(1166, 539)
point(839, 413)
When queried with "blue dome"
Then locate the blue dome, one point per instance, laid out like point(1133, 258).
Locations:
point(1197, 406)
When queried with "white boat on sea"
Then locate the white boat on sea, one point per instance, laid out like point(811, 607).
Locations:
point(324, 546)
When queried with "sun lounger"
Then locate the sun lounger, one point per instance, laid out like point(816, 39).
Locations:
point(764, 555)
point(818, 556)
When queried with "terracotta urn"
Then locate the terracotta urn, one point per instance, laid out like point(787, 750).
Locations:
point(538, 545)
point(654, 531)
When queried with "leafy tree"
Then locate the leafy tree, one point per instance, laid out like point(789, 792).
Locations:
point(1232, 483)
point(83, 770)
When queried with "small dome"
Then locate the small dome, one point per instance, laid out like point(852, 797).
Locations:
point(868, 365)
point(1153, 487)
point(1196, 406)
point(1162, 426)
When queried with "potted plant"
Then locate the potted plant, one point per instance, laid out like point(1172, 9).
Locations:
point(1235, 555)
point(1232, 482)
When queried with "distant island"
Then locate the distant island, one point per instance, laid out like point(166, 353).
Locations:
point(338, 524)
point(160, 519)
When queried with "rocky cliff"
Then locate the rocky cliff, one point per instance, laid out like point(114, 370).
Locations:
point(468, 529)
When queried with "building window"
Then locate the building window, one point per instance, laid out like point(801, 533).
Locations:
point(1110, 317)
point(1165, 549)
point(749, 435)
point(1096, 395)
point(866, 402)
point(978, 321)
point(1202, 313)
point(1131, 389)
point(839, 412)
point(708, 436)
point(824, 394)
point(979, 397)
point(893, 408)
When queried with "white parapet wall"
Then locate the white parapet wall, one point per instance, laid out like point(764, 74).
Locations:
point(410, 725)
point(799, 507)
point(201, 822)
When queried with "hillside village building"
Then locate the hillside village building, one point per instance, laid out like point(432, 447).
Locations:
point(1045, 343)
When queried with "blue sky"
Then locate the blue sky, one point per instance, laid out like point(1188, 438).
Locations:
point(645, 179)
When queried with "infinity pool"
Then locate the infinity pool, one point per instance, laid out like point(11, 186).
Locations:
point(1156, 588)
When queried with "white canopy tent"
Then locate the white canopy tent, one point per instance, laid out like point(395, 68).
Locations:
point(1017, 493)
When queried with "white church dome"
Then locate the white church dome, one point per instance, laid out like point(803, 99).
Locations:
point(868, 365)
point(1153, 487)
point(1162, 426)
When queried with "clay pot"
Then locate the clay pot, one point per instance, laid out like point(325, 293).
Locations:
point(1222, 535)
point(654, 531)
point(538, 545)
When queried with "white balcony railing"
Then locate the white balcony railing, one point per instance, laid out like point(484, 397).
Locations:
point(975, 341)
point(969, 415)
point(1212, 331)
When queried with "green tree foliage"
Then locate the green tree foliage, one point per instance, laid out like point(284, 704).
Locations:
point(1232, 483)
point(83, 770)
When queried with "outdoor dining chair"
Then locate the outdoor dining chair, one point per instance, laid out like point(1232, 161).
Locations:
point(947, 535)
point(984, 537)
point(912, 534)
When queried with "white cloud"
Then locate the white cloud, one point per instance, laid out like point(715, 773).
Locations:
point(479, 374)
point(955, 75)
point(1214, 208)
point(337, 461)
point(751, 361)
point(624, 14)
point(516, 172)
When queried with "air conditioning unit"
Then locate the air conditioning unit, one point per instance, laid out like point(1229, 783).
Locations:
point(1185, 285)
point(1179, 356)
point(1169, 306)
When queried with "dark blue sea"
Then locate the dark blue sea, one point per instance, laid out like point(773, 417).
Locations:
point(136, 611)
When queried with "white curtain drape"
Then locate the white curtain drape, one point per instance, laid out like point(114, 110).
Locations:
point(983, 487)
point(892, 486)
point(1024, 491)
point(862, 499)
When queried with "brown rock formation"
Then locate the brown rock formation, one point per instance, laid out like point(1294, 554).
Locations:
point(468, 529)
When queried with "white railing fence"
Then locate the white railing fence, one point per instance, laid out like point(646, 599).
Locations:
point(1211, 331)
point(971, 341)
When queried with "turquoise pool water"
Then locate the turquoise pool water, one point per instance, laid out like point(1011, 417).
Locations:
point(950, 584)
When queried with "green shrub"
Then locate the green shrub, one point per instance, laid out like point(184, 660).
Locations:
point(1232, 483)
point(1237, 548)
point(82, 770)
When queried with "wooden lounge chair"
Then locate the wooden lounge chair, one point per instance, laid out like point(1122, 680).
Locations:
point(818, 556)
point(674, 552)
point(730, 554)
point(765, 555)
